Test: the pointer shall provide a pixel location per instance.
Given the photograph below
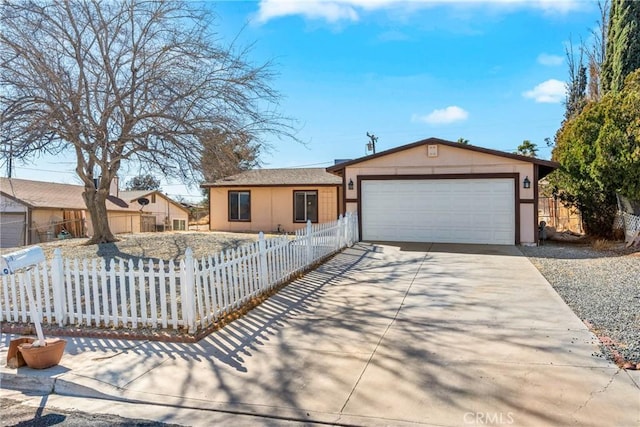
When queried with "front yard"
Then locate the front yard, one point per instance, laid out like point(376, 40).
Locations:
point(156, 246)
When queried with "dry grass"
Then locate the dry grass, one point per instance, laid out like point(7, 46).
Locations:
point(604, 245)
point(155, 246)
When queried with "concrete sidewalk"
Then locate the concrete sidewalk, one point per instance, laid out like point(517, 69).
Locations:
point(407, 334)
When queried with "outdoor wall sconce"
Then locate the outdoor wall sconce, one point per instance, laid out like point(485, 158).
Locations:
point(526, 183)
point(350, 185)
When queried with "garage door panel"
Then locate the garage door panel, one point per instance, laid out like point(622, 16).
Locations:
point(456, 211)
point(11, 230)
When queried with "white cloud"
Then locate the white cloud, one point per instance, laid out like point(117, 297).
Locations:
point(443, 116)
point(551, 91)
point(349, 10)
point(563, 6)
point(550, 60)
point(331, 11)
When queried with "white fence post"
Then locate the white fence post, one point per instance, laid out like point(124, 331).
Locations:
point(262, 253)
point(189, 287)
point(309, 244)
point(57, 281)
point(353, 229)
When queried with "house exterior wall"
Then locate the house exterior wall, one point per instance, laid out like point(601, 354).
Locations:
point(271, 207)
point(11, 206)
point(120, 222)
point(457, 163)
point(165, 212)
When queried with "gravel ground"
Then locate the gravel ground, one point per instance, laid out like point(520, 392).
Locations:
point(602, 286)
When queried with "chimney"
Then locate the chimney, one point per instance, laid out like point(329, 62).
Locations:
point(114, 189)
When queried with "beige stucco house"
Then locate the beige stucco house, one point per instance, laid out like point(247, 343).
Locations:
point(159, 212)
point(442, 191)
point(272, 200)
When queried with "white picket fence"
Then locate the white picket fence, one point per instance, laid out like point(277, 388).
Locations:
point(191, 293)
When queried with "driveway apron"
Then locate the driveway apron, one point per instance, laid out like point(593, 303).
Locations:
point(383, 334)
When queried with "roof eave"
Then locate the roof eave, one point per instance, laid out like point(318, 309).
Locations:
point(307, 184)
point(336, 169)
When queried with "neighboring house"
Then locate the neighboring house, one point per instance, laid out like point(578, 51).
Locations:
point(442, 191)
point(159, 212)
point(273, 200)
point(34, 212)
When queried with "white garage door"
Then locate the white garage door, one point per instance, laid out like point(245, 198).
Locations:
point(11, 230)
point(439, 210)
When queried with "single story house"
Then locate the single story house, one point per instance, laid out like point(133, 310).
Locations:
point(159, 212)
point(273, 200)
point(442, 191)
point(34, 211)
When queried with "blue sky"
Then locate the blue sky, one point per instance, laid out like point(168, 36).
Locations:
point(491, 72)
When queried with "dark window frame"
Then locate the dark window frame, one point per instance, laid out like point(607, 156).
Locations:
point(317, 213)
point(229, 201)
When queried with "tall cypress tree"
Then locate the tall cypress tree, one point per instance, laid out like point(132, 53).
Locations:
point(623, 44)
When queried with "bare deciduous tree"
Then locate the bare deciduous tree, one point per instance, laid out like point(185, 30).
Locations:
point(577, 84)
point(143, 182)
point(130, 81)
point(227, 154)
point(597, 51)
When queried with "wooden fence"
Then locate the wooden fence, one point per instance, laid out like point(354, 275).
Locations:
point(192, 293)
point(556, 215)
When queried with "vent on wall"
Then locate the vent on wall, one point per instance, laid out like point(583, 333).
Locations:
point(432, 150)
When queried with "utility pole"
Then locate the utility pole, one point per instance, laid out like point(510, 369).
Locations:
point(10, 160)
point(371, 145)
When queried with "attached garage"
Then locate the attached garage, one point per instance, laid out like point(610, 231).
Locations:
point(444, 192)
point(478, 210)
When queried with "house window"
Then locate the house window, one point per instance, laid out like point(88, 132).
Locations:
point(239, 206)
point(305, 206)
point(179, 225)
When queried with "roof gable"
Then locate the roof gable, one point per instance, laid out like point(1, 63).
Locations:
point(132, 196)
point(277, 177)
point(546, 166)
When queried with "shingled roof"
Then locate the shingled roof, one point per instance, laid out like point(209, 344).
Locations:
point(277, 177)
point(39, 194)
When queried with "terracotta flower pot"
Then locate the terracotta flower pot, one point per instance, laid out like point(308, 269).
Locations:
point(43, 357)
point(14, 357)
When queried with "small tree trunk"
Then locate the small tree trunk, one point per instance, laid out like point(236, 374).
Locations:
point(96, 201)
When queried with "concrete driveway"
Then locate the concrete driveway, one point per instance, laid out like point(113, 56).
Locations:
point(427, 334)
